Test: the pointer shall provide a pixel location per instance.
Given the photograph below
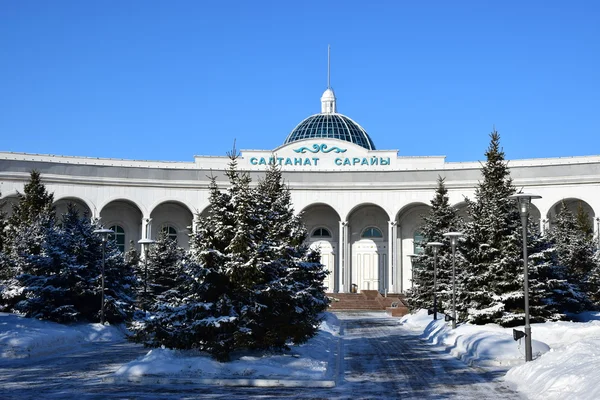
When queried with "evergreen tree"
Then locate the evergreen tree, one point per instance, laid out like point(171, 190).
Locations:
point(575, 250)
point(38, 263)
point(290, 291)
point(5, 266)
point(31, 250)
point(58, 272)
point(442, 218)
point(250, 281)
point(164, 266)
point(35, 201)
point(583, 221)
point(84, 248)
point(492, 288)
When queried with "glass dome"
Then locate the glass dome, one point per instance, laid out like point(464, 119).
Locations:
point(332, 126)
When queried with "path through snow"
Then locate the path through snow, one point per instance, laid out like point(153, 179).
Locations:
point(380, 360)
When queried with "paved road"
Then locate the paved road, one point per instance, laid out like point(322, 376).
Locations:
point(381, 360)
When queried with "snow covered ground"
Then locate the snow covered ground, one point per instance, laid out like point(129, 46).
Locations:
point(566, 354)
point(25, 337)
point(312, 361)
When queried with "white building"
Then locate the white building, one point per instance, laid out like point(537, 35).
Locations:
point(362, 206)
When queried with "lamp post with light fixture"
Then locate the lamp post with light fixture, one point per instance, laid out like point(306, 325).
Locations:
point(104, 236)
point(146, 243)
point(598, 230)
point(453, 241)
point(435, 246)
point(412, 269)
point(524, 203)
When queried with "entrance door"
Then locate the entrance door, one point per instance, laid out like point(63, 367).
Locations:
point(328, 260)
point(368, 264)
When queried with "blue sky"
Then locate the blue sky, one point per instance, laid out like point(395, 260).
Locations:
point(165, 80)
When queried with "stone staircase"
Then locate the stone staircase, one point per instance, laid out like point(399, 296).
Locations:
point(369, 300)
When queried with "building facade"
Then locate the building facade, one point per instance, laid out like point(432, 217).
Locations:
point(362, 206)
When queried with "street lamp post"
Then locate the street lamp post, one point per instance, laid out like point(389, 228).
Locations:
point(435, 246)
point(145, 247)
point(524, 202)
point(104, 235)
point(598, 230)
point(453, 241)
point(412, 269)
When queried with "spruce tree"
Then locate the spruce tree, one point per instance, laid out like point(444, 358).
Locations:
point(5, 266)
point(575, 250)
point(290, 287)
point(164, 266)
point(35, 201)
point(441, 218)
point(200, 313)
point(250, 280)
point(31, 250)
point(85, 250)
point(492, 286)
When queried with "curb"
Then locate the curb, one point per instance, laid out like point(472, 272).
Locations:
point(161, 380)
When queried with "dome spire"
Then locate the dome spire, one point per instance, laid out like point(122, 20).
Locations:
point(328, 66)
point(328, 99)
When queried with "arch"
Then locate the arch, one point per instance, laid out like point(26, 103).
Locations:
point(176, 215)
point(411, 208)
point(7, 202)
point(572, 204)
point(142, 209)
point(124, 213)
point(312, 206)
point(82, 205)
point(182, 203)
point(362, 206)
point(318, 217)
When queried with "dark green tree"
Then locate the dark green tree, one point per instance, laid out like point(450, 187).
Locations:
point(250, 280)
point(164, 266)
point(442, 218)
point(34, 202)
point(575, 249)
point(492, 285)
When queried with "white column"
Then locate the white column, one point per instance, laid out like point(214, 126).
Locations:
point(347, 262)
point(146, 227)
point(392, 273)
point(399, 266)
point(390, 258)
point(340, 258)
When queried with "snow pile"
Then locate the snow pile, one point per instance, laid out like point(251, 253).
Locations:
point(312, 360)
point(566, 354)
point(482, 345)
point(27, 337)
point(569, 372)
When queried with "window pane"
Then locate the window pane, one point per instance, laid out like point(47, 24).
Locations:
point(118, 236)
point(372, 232)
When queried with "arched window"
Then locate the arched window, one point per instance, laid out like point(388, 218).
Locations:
point(321, 233)
point(170, 232)
point(372, 233)
point(418, 243)
point(118, 236)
